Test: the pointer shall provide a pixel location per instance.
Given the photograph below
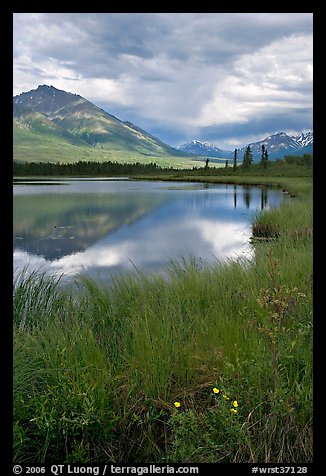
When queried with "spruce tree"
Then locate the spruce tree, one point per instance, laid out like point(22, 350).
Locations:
point(264, 156)
point(247, 158)
point(235, 158)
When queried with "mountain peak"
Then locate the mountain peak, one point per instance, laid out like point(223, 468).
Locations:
point(305, 138)
point(48, 111)
point(45, 86)
point(278, 145)
point(45, 99)
point(197, 147)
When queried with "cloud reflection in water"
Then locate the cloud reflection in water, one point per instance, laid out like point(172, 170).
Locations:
point(149, 248)
point(203, 224)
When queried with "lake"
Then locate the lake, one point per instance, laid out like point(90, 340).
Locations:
point(104, 227)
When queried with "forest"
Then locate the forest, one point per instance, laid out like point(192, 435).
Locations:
point(109, 168)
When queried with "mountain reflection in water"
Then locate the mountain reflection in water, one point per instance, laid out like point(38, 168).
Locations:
point(106, 228)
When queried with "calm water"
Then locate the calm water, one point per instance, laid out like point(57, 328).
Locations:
point(105, 227)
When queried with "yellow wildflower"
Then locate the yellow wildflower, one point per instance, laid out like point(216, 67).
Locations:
point(216, 390)
point(235, 403)
point(225, 397)
point(177, 404)
point(234, 411)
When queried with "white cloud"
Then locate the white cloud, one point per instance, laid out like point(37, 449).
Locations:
point(276, 78)
point(180, 71)
point(63, 76)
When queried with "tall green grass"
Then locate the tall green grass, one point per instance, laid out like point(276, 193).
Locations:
point(97, 373)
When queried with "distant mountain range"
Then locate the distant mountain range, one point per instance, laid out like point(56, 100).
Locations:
point(278, 145)
point(54, 125)
point(204, 149)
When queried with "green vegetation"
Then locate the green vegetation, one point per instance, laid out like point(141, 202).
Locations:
point(30, 145)
point(292, 166)
point(86, 168)
point(54, 126)
point(213, 364)
point(247, 158)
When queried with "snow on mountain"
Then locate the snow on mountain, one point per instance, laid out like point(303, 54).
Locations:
point(305, 138)
point(275, 142)
point(197, 147)
point(278, 145)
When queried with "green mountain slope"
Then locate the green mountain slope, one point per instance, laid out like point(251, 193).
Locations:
point(53, 125)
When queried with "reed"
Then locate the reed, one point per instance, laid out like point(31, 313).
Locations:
point(97, 373)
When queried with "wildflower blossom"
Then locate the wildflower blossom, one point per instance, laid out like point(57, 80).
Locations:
point(225, 397)
point(235, 403)
point(216, 390)
point(234, 411)
point(177, 404)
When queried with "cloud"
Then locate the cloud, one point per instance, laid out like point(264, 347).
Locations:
point(177, 73)
point(221, 241)
point(274, 79)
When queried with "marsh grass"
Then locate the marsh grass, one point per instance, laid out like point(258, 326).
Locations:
point(293, 218)
point(96, 375)
point(36, 296)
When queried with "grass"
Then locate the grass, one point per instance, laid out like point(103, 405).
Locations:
point(97, 373)
point(31, 146)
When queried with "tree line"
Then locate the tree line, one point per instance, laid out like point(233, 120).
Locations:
point(86, 168)
point(109, 168)
point(304, 160)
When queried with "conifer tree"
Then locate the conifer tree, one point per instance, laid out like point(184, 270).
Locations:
point(264, 156)
point(235, 158)
point(247, 158)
